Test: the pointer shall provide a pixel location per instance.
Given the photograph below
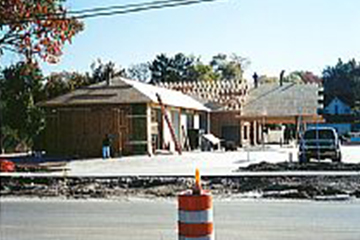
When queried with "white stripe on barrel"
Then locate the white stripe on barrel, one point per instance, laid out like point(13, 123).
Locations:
point(196, 216)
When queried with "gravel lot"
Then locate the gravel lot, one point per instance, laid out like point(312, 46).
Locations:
point(210, 163)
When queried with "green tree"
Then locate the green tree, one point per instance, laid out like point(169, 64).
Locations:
point(174, 69)
point(203, 72)
point(160, 69)
point(105, 71)
point(140, 72)
point(229, 68)
point(181, 66)
point(57, 84)
point(23, 121)
point(342, 81)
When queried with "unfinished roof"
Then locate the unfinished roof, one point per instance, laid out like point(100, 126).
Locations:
point(220, 95)
point(124, 91)
point(287, 100)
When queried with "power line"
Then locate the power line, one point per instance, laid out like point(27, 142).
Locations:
point(104, 11)
point(130, 5)
point(139, 9)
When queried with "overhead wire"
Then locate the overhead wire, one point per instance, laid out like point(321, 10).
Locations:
point(109, 11)
point(130, 5)
point(144, 8)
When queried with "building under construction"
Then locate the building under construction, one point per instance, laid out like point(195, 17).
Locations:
point(225, 98)
point(127, 111)
point(244, 115)
point(142, 118)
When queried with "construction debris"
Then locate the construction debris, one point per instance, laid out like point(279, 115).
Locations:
point(305, 187)
point(296, 166)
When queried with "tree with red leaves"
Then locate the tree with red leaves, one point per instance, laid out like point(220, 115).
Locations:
point(36, 28)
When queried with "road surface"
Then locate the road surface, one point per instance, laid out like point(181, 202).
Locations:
point(156, 220)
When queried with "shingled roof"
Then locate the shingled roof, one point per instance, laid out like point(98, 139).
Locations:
point(124, 91)
point(287, 100)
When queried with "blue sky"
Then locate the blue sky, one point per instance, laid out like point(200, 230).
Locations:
point(273, 34)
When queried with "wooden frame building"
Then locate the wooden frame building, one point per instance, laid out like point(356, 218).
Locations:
point(127, 111)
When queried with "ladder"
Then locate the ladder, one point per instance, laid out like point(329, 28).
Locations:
point(167, 120)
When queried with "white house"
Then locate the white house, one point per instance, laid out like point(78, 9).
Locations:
point(337, 107)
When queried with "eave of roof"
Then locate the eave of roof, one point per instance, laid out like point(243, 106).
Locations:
point(124, 91)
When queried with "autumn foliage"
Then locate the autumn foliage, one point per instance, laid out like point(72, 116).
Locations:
point(36, 28)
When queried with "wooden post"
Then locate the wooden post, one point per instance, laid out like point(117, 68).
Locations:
point(148, 130)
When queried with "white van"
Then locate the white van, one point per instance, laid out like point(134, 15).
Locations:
point(320, 143)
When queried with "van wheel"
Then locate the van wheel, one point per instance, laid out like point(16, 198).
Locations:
point(337, 159)
point(303, 158)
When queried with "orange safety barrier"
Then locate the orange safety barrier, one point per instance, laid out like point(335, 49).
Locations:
point(195, 216)
point(195, 230)
point(6, 166)
point(190, 202)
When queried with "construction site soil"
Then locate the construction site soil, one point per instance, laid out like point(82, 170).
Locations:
point(296, 166)
point(322, 187)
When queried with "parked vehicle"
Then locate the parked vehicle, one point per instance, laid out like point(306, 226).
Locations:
point(320, 143)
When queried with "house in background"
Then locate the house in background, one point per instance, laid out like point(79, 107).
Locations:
point(126, 110)
point(339, 115)
point(337, 107)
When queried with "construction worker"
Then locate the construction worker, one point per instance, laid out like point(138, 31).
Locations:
point(106, 146)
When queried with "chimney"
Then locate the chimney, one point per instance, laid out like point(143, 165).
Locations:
point(256, 78)
point(282, 77)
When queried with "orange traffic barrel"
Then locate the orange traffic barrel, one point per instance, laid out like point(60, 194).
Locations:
point(195, 217)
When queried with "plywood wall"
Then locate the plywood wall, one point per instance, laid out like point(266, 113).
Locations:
point(79, 131)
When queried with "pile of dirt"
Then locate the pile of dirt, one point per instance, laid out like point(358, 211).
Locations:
point(314, 187)
point(296, 166)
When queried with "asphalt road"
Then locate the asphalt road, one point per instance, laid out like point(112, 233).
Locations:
point(156, 219)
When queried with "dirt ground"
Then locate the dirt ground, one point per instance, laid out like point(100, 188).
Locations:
point(299, 187)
